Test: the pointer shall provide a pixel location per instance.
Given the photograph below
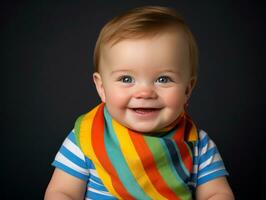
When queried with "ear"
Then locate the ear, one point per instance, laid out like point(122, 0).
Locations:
point(190, 87)
point(99, 85)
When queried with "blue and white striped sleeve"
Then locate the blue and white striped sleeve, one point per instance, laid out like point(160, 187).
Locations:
point(71, 160)
point(210, 163)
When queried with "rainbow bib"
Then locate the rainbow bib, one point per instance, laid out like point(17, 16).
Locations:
point(136, 166)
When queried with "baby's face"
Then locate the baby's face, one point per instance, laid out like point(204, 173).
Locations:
point(145, 82)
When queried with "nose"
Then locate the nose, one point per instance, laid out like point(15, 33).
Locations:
point(145, 92)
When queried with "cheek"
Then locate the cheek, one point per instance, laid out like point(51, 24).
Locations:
point(175, 98)
point(116, 98)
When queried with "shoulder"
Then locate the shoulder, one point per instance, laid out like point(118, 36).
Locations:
point(203, 135)
point(71, 159)
point(71, 144)
point(204, 141)
point(206, 146)
point(209, 162)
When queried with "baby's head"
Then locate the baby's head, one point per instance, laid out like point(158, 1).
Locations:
point(145, 67)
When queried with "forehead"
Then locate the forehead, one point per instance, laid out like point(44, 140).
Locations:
point(164, 48)
point(174, 31)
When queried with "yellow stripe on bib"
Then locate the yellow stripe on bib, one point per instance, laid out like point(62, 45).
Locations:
point(136, 168)
point(86, 146)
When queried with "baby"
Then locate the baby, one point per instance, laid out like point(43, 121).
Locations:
point(140, 143)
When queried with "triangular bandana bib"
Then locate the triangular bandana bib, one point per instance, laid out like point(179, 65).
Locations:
point(132, 165)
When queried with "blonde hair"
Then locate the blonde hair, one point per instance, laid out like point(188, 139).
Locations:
point(142, 22)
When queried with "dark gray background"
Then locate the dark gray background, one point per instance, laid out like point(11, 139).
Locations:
point(46, 69)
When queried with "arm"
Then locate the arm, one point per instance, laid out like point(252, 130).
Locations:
point(65, 187)
point(216, 189)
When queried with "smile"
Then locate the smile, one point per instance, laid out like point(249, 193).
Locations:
point(145, 112)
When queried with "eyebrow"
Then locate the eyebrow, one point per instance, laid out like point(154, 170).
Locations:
point(120, 71)
point(169, 71)
point(159, 71)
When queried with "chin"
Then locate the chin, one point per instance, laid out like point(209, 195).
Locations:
point(143, 129)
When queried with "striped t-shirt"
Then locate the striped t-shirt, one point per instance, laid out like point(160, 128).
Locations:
point(207, 165)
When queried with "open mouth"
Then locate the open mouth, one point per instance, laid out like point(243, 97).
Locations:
point(145, 110)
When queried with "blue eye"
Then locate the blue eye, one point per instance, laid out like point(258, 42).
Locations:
point(163, 79)
point(126, 79)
